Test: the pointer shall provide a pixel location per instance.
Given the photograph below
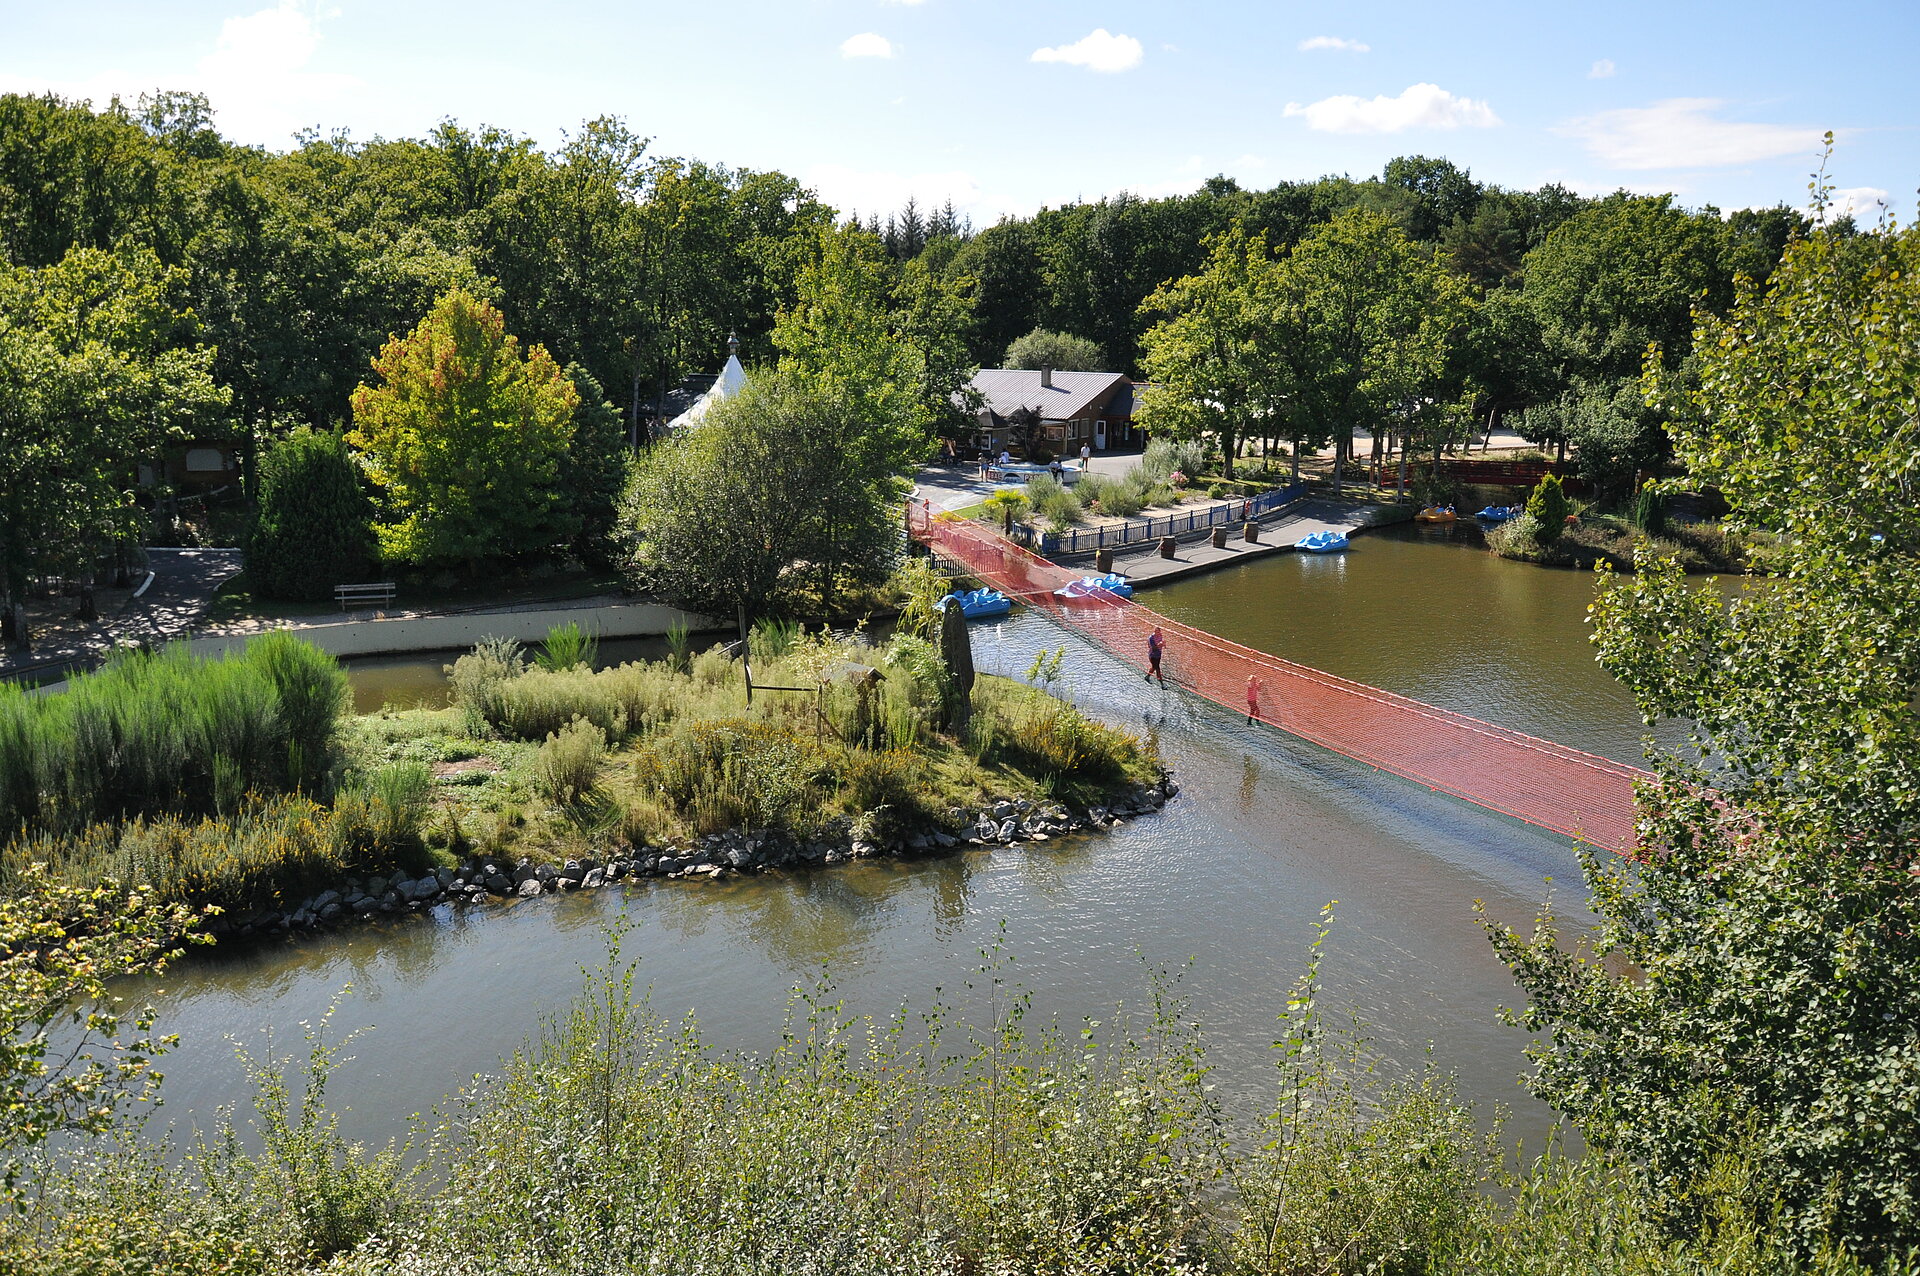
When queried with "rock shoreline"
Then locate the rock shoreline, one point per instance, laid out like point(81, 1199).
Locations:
point(482, 880)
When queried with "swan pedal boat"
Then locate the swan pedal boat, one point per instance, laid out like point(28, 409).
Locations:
point(1321, 542)
point(975, 603)
point(1091, 588)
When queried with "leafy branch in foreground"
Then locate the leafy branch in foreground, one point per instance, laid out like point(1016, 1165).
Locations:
point(1753, 986)
point(72, 1053)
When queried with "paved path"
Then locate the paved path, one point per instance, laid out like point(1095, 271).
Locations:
point(1144, 567)
point(184, 581)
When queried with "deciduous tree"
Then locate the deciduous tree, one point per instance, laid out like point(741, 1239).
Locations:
point(1061, 351)
point(1210, 363)
point(98, 367)
point(773, 487)
point(1365, 323)
point(465, 437)
point(72, 1053)
point(1754, 982)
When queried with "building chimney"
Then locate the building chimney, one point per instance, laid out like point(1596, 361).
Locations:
point(1046, 378)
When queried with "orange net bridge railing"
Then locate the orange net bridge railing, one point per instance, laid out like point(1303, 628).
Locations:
point(1549, 785)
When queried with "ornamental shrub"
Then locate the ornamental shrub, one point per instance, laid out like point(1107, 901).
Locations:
point(1548, 507)
point(567, 771)
point(314, 529)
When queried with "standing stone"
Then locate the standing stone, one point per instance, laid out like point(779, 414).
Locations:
point(956, 652)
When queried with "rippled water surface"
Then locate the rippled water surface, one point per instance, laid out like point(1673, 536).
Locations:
point(1226, 882)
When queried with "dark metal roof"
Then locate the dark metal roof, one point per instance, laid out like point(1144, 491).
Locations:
point(1007, 390)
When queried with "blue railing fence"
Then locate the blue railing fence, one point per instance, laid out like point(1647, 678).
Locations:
point(1139, 531)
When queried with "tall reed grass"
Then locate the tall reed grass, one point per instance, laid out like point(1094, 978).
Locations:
point(169, 733)
point(268, 853)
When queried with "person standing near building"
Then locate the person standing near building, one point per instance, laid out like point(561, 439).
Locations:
point(1086, 457)
point(1156, 648)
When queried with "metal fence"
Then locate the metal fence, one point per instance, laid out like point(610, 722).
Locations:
point(1139, 531)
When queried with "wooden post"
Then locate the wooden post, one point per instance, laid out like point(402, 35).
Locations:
point(746, 652)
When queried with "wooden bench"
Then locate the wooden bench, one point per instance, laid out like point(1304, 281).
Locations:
point(349, 596)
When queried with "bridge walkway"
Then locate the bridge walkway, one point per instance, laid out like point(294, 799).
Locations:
point(1564, 790)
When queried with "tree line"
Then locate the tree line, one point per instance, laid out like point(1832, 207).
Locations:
point(163, 282)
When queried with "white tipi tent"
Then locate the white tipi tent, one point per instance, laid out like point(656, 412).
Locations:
point(730, 381)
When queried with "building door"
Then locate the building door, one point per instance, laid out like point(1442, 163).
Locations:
point(1100, 435)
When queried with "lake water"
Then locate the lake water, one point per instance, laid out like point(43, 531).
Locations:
point(1225, 883)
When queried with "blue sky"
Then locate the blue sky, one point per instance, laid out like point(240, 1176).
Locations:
point(1008, 106)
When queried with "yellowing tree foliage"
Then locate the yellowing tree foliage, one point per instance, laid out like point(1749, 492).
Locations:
point(465, 437)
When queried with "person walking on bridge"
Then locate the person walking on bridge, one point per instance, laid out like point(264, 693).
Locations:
point(1156, 648)
point(1253, 698)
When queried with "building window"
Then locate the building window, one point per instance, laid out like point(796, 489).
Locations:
point(206, 460)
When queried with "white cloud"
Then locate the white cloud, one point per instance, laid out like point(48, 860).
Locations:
point(1682, 132)
point(1098, 51)
point(854, 190)
point(1332, 42)
point(866, 45)
point(256, 75)
point(1862, 203)
point(907, 2)
point(1601, 70)
point(1417, 106)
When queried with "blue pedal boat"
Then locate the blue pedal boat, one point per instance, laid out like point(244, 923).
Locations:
point(977, 603)
point(1094, 588)
point(1327, 542)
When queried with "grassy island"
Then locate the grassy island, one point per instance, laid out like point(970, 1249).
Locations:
point(239, 782)
point(550, 759)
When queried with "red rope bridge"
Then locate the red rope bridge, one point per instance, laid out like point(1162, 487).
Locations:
point(1549, 785)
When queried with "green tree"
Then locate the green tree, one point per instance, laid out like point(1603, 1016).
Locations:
point(931, 314)
point(840, 336)
point(1755, 975)
point(1443, 193)
point(97, 370)
point(1612, 279)
point(773, 486)
point(1061, 351)
point(1209, 361)
point(313, 528)
point(1008, 262)
point(595, 470)
point(465, 437)
point(1366, 321)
